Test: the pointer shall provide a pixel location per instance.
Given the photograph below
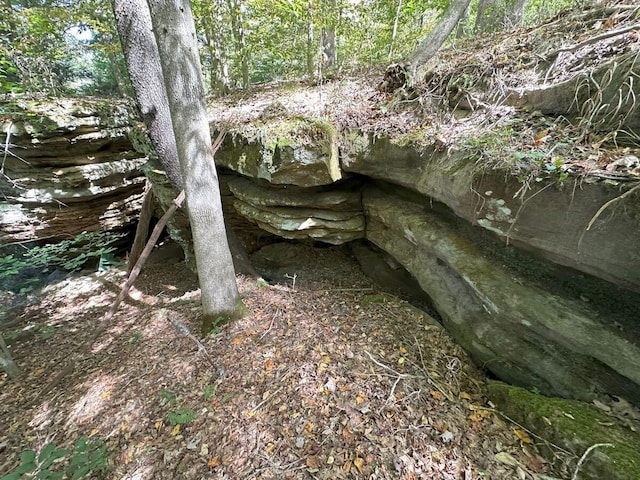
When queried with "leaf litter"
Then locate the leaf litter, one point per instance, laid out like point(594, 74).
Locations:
point(330, 379)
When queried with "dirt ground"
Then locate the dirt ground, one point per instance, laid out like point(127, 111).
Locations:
point(328, 377)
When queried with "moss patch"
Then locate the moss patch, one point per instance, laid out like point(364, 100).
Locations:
point(575, 426)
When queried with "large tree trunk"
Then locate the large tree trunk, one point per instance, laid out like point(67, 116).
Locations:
point(133, 22)
point(175, 34)
point(430, 46)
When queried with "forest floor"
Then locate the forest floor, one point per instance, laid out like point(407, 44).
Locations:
point(328, 377)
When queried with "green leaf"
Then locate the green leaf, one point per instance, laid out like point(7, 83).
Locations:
point(81, 472)
point(11, 476)
point(46, 451)
point(81, 444)
point(26, 467)
point(53, 457)
point(28, 456)
point(79, 459)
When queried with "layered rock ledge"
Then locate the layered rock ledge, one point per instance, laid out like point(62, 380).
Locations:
point(69, 167)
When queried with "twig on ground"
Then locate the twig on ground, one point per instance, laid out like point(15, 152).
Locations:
point(181, 328)
point(399, 376)
point(271, 324)
point(257, 407)
point(585, 455)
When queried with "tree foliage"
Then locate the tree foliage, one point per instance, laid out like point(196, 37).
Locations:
point(67, 47)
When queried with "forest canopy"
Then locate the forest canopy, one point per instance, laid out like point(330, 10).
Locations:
point(70, 47)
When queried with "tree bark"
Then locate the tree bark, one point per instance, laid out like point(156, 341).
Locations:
point(328, 35)
point(133, 22)
point(394, 32)
point(174, 30)
point(430, 45)
point(494, 15)
point(310, 41)
point(237, 23)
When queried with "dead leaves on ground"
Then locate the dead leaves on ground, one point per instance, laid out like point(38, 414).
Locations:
point(293, 394)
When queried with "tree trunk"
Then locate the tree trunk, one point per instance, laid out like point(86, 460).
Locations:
point(311, 70)
point(494, 15)
point(328, 36)
point(175, 35)
point(237, 23)
point(430, 46)
point(220, 83)
point(133, 22)
point(515, 12)
point(394, 32)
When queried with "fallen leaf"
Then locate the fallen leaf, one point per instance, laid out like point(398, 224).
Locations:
point(159, 425)
point(506, 459)
point(330, 460)
point(437, 395)
point(308, 427)
point(214, 462)
point(237, 341)
point(175, 431)
point(269, 364)
point(360, 398)
point(465, 395)
point(522, 435)
point(400, 360)
point(312, 462)
point(359, 463)
point(347, 466)
point(270, 448)
point(403, 350)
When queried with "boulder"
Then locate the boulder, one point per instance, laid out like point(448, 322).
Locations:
point(584, 223)
point(522, 332)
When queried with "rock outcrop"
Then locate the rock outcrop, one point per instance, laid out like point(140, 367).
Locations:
point(70, 168)
point(331, 215)
point(522, 332)
point(294, 151)
point(567, 222)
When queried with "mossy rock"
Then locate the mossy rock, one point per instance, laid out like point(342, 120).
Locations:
point(574, 426)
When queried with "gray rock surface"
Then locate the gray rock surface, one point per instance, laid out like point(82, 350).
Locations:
point(524, 334)
point(552, 218)
point(71, 168)
point(296, 151)
point(333, 216)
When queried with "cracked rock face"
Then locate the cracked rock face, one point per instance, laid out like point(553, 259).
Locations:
point(71, 168)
